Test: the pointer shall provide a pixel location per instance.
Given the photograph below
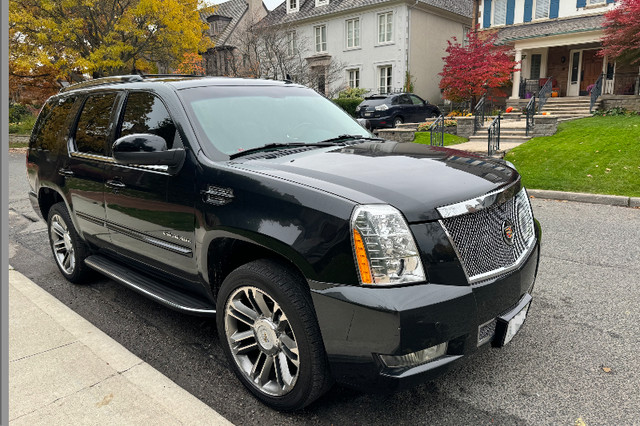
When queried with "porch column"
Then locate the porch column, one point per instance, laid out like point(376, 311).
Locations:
point(515, 91)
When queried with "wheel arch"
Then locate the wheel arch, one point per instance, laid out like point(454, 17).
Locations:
point(225, 253)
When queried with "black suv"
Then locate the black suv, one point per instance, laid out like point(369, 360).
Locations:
point(394, 109)
point(324, 253)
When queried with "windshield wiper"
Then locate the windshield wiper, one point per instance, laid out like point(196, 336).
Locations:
point(270, 146)
point(342, 138)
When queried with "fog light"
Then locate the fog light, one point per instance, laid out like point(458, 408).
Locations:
point(415, 358)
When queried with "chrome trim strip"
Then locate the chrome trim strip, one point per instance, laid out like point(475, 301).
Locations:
point(111, 160)
point(146, 292)
point(484, 201)
point(91, 219)
point(184, 251)
point(150, 240)
point(505, 269)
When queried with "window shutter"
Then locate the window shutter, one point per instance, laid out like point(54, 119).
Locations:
point(553, 10)
point(528, 10)
point(511, 5)
point(486, 19)
point(581, 3)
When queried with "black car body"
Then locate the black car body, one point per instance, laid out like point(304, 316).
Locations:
point(393, 109)
point(370, 262)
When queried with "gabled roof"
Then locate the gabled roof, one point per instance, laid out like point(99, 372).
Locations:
point(309, 10)
point(233, 9)
point(550, 27)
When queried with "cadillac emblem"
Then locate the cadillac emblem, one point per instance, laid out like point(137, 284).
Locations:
point(508, 232)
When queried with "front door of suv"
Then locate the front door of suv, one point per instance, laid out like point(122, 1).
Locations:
point(150, 211)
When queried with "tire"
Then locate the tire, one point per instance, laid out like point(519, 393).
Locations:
point(264, 315)
point(69, 250)
point(397, 121)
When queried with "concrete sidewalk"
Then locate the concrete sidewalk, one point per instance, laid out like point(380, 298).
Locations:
point(63, 370)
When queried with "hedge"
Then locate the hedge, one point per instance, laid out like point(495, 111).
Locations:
point(349, 105)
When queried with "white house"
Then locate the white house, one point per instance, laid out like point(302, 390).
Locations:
point(557, 39)
point(377, 42)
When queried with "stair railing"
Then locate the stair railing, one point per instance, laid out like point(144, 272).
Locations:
point(494, 135)
point(544, 93)
point(478, 112)
point(596, 91)
point(437, 132)
point(530, 111)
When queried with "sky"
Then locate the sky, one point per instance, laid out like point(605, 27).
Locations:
point(271, 4)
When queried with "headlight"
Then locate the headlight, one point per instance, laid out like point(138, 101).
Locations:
point(382, 107)
point(358, 108)
point(525, 215)
point(384, 247)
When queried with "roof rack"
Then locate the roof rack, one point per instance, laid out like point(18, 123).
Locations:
point(101, 81)
point(120, 79)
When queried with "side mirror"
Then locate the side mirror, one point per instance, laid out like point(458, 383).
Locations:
point(146, 149)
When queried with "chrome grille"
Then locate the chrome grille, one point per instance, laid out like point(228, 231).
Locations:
point(479, 237)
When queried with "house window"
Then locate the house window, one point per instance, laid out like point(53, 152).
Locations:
point(353, 33)
point(292, 6)
point(542, 9)
point(321, 38)
point(500, 12)
point(321, 2)
point(291, 43)
point(385, 27)
point(595, 1)
point(385, 79)
point(465, 36)
point(354, 78)
point(536, 59)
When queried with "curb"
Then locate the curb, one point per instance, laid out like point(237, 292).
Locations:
point(612, 200)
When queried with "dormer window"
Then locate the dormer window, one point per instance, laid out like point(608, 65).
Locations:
point(217, 24)
point(321, 2)
point(292, 5)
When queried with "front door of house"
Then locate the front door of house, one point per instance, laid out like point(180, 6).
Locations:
point(584, 69)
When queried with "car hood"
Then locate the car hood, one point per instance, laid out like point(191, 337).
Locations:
point(414, 178)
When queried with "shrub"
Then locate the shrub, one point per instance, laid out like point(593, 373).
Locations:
point(352, 93)
point(617, 111)
point(424, 127)
point(348, 104)
point(17, 112)
point(24, 126)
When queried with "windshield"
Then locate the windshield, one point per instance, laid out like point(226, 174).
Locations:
point(233, 119)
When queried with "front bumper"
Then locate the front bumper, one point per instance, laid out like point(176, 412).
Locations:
point(358, 323)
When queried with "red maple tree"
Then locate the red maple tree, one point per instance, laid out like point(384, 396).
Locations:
point(192, 63)
point(476, 67)
point(621, 38)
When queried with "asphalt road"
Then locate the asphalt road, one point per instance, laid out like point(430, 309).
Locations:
point(576, 358)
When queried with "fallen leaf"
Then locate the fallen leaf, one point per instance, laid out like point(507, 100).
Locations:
point(597, 165)
point(579, 422)
point(607, 170)
point(606, 369)
point(597, 151)
point(589, 176)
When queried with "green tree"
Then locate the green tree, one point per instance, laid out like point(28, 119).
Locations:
point(102, 37)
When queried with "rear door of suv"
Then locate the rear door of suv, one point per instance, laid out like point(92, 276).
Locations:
point(84, 168)
point(150, 209)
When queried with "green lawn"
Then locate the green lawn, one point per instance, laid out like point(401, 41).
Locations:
point(598, 155)
point(425, 138)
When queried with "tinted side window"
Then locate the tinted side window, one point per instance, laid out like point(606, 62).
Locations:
point(405, 100)
point(416, 100)
point(93, 126)
point(145, 113)
point(52, 125)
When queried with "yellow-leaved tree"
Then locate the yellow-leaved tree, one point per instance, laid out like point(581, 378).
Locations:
point(103, 37)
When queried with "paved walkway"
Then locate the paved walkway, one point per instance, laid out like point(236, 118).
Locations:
point(63, 371)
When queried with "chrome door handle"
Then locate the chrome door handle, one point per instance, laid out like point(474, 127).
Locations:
point(65, 172)
point(116, 184)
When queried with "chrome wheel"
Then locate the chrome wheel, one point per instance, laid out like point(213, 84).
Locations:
point(63, 249)
point(261, 340)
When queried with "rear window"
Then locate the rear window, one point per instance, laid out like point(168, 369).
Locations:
point(52, 125)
